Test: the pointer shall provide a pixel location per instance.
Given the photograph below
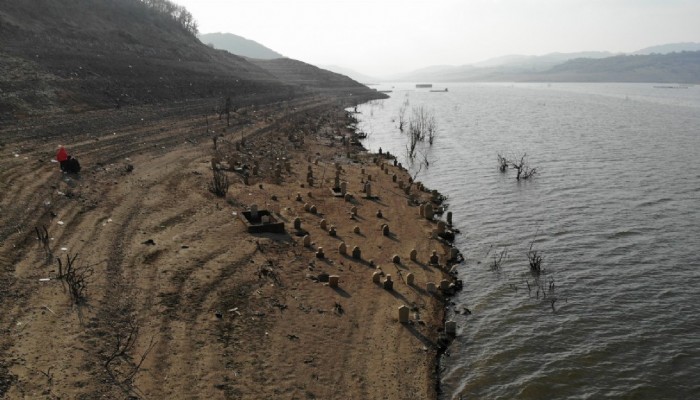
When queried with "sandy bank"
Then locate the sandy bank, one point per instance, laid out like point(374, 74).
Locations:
point(183, 302)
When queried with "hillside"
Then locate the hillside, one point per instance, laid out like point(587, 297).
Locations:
point(239, 45)
point(305, 75)
point(63, 55)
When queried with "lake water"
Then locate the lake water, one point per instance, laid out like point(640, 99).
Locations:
point(614, 210)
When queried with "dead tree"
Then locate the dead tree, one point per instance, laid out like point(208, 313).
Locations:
point(431, 126)
point(535, 260)
point(76, 277)
point(43, 237)
point(121, 363)
point(226, 110)
point(402, 114)
point(502, 163)
point(522, 168)
point(498, 259)
point(219, 183)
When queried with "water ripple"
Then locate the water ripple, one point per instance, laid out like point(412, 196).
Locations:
point(614, 212)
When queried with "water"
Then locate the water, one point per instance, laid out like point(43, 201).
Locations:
point(613, 209)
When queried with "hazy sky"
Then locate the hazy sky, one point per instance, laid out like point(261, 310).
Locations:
point(386, 36)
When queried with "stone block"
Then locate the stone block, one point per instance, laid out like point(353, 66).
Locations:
point(333, 281)
point(451, 328)
point(403, 314)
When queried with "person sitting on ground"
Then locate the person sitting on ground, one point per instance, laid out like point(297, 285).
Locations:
point(68, 163)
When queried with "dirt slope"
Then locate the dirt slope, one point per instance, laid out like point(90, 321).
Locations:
point(167, 255)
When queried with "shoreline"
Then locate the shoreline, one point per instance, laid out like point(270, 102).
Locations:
point(449, 272)
point(226, 312)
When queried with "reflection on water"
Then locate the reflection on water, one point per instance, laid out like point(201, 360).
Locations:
point(614, 211)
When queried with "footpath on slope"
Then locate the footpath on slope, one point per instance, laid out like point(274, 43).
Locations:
point(182, 301)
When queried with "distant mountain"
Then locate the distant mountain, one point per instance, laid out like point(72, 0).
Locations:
point(239, 45)
point(495, 67)
point(683, 67)
point(670, 48)
point(358, 76)
point(539, 62)
point(674, 67)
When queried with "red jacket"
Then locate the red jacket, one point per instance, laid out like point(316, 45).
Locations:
point(62, 155)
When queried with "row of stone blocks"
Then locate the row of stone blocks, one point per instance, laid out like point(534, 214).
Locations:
point(450, 326)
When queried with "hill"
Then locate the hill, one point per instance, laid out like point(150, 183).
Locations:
point(669, 48)
point(681, 67)
point(63, 55)
point(239, 45)
point(538, 62)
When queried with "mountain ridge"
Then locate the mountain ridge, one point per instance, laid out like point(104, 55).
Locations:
point(660, 67)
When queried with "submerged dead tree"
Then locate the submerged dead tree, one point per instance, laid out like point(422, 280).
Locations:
point(422, 124)
point(502, 163)
point(518, 163)
point(524, 171)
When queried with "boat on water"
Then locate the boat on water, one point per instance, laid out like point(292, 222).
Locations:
point(671, 87)
point(423, 85)
point(385, 91)
point(439, 90)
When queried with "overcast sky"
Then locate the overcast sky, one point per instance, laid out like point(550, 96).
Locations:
point(379, 37)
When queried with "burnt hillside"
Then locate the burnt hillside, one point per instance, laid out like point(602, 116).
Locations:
point(75, 55)
point(305, 75)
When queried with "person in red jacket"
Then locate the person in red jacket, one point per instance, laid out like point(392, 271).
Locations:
point(62, 157)
point(68, 163)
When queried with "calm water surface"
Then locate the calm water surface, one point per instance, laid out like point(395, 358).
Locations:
point(614, 211)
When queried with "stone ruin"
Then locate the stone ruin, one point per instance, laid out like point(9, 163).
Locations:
point(410, 278)
point(333, 281)
point(261, 221)
point(388, 284)
point(434, 258)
